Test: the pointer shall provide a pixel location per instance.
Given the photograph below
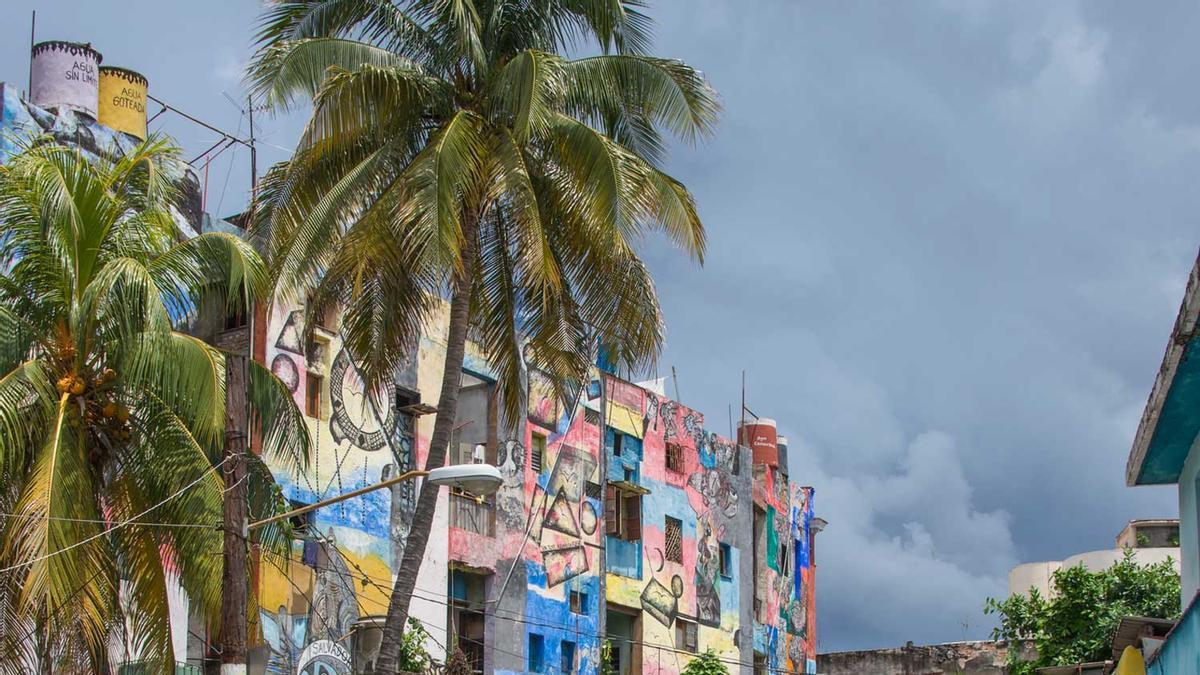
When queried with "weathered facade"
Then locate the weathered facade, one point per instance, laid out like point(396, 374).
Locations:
point(620, 516)
point(983, 657)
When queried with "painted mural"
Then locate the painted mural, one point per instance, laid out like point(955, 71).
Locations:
point(545, 559)
point(690, 510)
point(341, 569)
point(553, 558)
point(785, 598)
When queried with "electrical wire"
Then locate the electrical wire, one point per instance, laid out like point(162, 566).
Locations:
point(104, 522)
point(118, 526)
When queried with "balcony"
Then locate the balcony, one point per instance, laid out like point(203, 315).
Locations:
point(472, 516)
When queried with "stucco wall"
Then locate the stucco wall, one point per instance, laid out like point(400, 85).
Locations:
point(1189, 525)
point(1039, 574)
point(973, 658)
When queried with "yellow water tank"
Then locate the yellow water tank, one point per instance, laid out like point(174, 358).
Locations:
point(123, 100)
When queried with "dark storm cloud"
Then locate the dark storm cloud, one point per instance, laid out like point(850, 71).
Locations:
point(947, 244)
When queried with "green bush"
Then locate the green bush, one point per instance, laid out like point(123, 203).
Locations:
point(705, 664)
point(1076, 624)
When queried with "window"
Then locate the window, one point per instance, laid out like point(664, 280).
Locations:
point(783, 558)
point(673, 529)
point(622, 514)
point(726, 560)
point(614, 658)
point(312, 398)
point(686, 636)
point(591, 489)
point(617, 441)
point(567, 664)
point(235, 318)
point(629, 477)
point(591, 417)
point(323, 319)
point(536, 451)
point(537, 657)
point(579, 602)
point(674, 457)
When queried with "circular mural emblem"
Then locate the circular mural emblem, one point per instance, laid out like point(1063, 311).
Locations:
point(324, 657)
point(365, 423)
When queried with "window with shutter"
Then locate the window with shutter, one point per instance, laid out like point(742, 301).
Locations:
point(686, 636)
point(612, 511)
point(632, 505)
point(536, 451)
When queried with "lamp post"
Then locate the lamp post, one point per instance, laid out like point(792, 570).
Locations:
point(477, 479)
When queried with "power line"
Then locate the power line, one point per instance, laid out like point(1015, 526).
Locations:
point(29, 516)
point(119, 525)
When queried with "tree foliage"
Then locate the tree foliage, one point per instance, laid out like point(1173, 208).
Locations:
point(413, 656)
point(452, 135)
point(111, 419)
point(1076, 623)
point(705, 664)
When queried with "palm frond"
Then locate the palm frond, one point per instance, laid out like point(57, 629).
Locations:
point(212, 265)
point(288, 70)
point(279, 422)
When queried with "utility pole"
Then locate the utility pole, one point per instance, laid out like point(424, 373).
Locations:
point(231, 639)
point(235, 574)
point(235, 577)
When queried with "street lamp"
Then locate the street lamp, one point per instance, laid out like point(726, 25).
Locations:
point(478, 479)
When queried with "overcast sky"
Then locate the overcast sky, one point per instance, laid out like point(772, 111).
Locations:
point(947, 243)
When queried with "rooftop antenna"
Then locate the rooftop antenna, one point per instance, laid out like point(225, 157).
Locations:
point(32, 41)
point(675, 379)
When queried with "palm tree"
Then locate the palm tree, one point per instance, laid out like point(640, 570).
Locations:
point(453, 150)
point(111, 420)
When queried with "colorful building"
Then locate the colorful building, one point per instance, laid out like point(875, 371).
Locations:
point(624, 531)
point(665, 537)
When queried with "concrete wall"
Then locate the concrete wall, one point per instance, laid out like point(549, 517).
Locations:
point(1040, 575)
point(1189, 525)
point(973, 658)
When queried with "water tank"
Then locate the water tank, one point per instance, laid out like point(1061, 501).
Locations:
point(781, 443)
point(761, 437)
point(123, 100)
point(65, 77)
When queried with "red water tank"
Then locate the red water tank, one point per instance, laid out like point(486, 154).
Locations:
point(761, 437)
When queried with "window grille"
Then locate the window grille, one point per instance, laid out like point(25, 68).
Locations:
point(674, 539)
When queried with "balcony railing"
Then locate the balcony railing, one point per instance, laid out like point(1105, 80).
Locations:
point(468, 514)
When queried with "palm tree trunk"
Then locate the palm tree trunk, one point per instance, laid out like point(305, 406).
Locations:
point(418, 533)
point(234, 577)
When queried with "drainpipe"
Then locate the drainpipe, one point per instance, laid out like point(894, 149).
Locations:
point(602, 605)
